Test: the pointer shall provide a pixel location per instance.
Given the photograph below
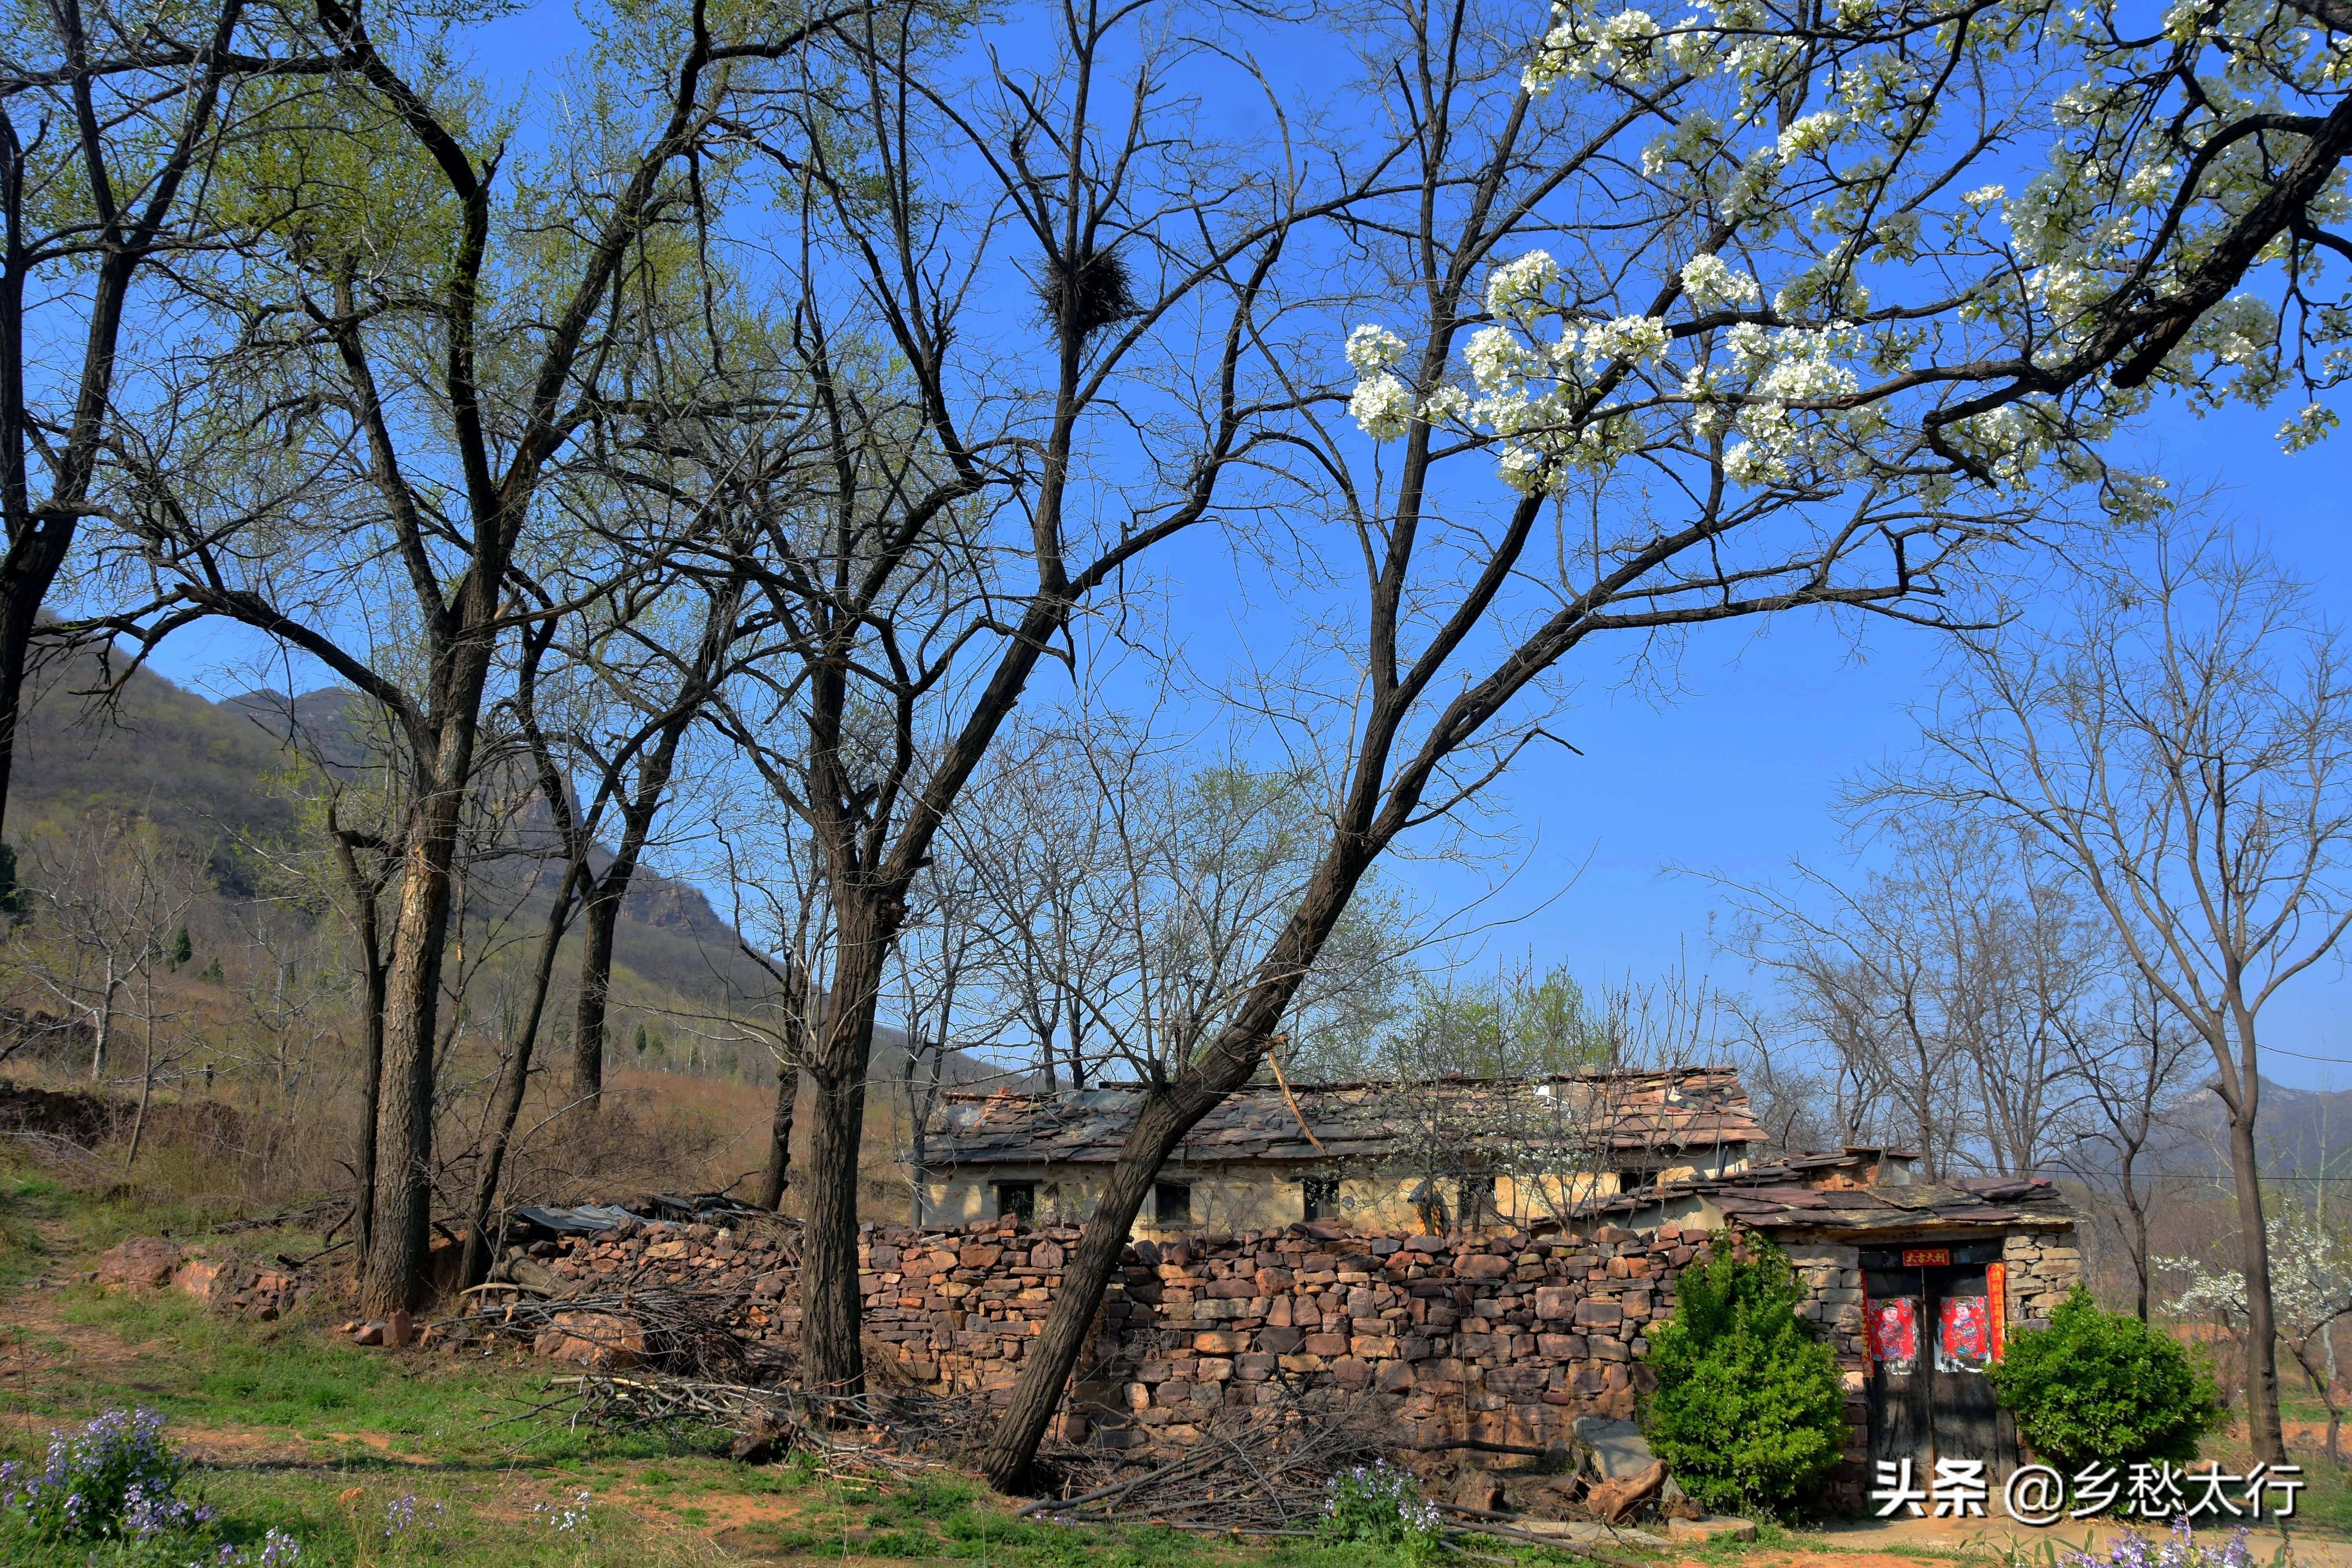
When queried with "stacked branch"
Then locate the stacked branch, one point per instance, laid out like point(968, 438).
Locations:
point(1251, 1468)
point(688, 1333)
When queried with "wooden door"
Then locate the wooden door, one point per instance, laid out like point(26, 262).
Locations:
point(1966, 1418)
point(1931, 1325)
point(1900, 1368)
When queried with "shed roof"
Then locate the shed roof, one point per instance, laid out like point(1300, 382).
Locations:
point(1638, 1113)
point(1857, 1191)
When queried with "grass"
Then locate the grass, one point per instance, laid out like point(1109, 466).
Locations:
point(286, 1408)
point(315, 1437)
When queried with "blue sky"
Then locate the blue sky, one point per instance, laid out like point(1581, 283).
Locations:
point(1736, 775)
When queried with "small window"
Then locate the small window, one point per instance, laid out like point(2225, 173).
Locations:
point(1320, 1197)
point(1172, 1203)
point(1477, 1200)
point(1634, 1181)
point(1018, 1199)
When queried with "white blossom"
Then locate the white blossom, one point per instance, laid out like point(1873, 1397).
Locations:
point(1497, 359)
point(1628, 338)
point(1710, 280)
point(2307, 428)
point(1518, 287)
point(1382, 405)
point(1811, 133)
point(1750, 463)
point(1445, 405)
point(1371, 348)
point(1624, 48)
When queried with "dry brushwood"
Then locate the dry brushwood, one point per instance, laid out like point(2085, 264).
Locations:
point(898, 1433)
point(685, 1332)
point(1253, 1468)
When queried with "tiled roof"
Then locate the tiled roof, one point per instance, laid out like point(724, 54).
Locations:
point(1639, 1113)
point(1856, 1190)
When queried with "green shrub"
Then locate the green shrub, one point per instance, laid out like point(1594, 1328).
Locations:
point(2098, 1387)
point(1748, 1412)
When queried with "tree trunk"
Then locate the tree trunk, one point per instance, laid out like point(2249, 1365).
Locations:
point(602, 916)
point(830, 1348)
point(2139, 1251)
point(779, 1173)
point(394, 1279)
point(513, 1079)
point(21, 592)
point(364, 893)
point(839, 1055)
point(146, 1091)
point(1170, 1111)
point(105, 1025)
point(1168, 1114)
point(370, 1105)
point(2263, 1428)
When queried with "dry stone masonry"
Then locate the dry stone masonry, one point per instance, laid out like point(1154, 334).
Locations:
point(1502, 1338)
point(1498, 1338)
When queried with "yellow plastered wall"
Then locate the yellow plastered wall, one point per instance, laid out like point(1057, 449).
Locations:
point(1227, 1199)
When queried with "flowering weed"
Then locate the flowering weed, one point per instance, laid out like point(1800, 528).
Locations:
point(2181, 1549)
point(1382, 1504)
point(113, 1479)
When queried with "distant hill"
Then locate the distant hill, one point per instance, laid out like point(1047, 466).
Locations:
point(197, 770)
point(201, 773)
point(2299, 1132)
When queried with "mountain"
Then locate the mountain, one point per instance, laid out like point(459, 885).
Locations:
point(197, 770)
point(2299, 1132)
point(201, 772)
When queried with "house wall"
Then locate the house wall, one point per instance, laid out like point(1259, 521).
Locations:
point(1502, 1337)
point(1227, 1199)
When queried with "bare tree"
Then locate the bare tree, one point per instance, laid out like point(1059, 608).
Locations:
point(106, 900)
point(419, 486)
point(1950, 993)
point(942, 960)
point(2179, 737)
point(781, 906)
point(1032, 840)
point(964, 507)
point(2137, 1064)
point(650, 653)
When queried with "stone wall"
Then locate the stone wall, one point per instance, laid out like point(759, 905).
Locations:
point(1501, 1338)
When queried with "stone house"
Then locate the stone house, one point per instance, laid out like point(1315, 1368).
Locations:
point(1501, 1335)
point(1453, 1155)
point(1917, 1283)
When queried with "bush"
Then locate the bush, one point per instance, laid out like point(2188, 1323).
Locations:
point(2098, 1387)
point(1748, 1412)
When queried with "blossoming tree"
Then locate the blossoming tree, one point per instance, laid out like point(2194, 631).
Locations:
point(1768, 307)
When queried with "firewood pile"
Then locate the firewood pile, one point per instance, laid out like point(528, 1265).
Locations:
point(686, 1334)
point(1253, 1468)
point(896, 1433)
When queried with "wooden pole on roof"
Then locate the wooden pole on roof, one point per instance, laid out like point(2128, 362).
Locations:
point(1289, 1098)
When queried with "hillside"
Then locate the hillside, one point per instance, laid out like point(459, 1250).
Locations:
point(201, 772)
